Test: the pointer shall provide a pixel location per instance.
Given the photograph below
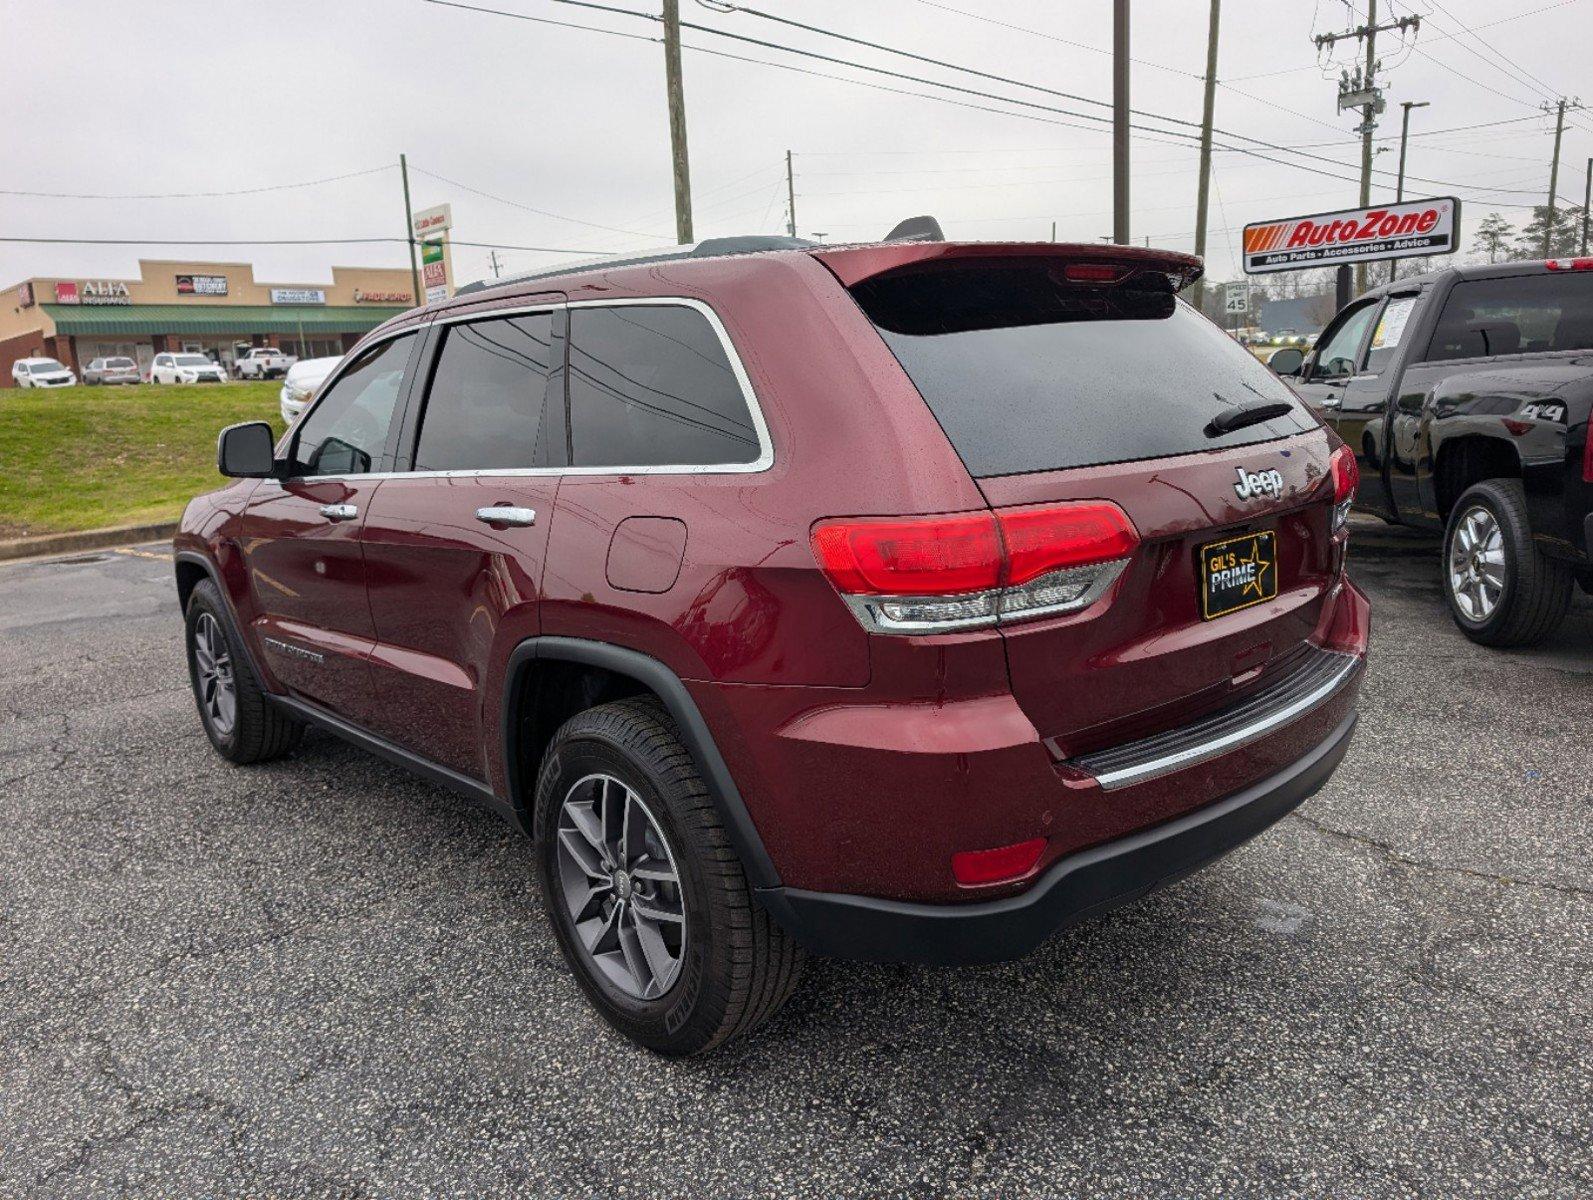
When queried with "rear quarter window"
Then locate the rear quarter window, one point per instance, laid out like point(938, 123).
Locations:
point(1026, 371)
point(1518, 314)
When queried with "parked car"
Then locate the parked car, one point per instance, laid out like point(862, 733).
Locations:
point(851, 600)
point(185, 368)
point(1465, 394)
point(300, 383)
point(41, 373)
point(111, 370)
point(262, 362)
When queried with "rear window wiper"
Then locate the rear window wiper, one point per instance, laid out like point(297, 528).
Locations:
point(1241, 415)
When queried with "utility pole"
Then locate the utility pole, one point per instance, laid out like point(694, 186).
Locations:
point(1587, 195)
point(1404, 137)
point(494, 257)
point(409, 231)
point(677, 120)
point(1120, 65)
point(1559, 106)
point(1204, 188)
point(790, 195)
point(1360, 90)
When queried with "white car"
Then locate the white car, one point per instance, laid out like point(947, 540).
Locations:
point(185, 368)
point(41, 373)
point(263, 362)
point(300, 386)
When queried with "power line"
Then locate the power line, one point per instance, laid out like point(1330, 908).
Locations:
point(60, 241)
point(541, 212)
point(250, 191)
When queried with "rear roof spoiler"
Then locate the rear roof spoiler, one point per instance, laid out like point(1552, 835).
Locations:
point(853, 264)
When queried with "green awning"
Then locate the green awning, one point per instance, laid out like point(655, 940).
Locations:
point(113, 319)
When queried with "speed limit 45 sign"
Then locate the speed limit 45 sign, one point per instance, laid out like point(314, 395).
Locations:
point(1236, 298)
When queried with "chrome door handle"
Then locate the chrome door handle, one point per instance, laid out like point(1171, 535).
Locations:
point(339, 512)
point(504, 514)
point(1330, 402)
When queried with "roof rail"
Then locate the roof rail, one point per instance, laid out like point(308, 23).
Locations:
point(708, 248)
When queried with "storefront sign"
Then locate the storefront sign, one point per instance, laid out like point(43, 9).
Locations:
point(1408, 230)
point(25, 295)
point(201, 285)
point(373, 297)
point(298, 295)
point(430, 221)
point(433, 272)
point(93, 291)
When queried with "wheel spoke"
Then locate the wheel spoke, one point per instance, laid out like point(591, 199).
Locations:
point(586, 822)
point(653, 910)
point(648, 867)
point(582, 853)
point(661, 965)
point(636, 961)
point(599, 933)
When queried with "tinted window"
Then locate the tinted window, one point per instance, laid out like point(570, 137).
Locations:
point(650, 386)
point(1029, 372)
point(345, 432)
point(487, 405)
point(1523, 314)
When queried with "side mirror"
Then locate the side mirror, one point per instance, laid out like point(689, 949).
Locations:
point(246, 451)
point(1287, 361)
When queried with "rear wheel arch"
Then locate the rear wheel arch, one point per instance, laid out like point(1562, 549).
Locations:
point(1467, 460)
point(549, 679)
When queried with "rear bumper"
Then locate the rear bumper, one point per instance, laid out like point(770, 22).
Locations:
point(1080, 885)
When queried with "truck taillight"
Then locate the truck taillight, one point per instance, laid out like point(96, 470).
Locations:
point(1346, 478)
point(920, 575)
point(1569, 264)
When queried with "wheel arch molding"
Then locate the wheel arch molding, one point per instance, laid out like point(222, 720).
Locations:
point(535, 654)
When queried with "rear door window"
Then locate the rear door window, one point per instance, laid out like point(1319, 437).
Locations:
point(652, 386)
point(1027, 371)
point(1518, 314)
point(1388, 334)
point(487, 408)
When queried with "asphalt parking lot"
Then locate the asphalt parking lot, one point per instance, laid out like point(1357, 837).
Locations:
point(324, 978)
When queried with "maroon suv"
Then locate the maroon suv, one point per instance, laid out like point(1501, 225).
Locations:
point(902, 602)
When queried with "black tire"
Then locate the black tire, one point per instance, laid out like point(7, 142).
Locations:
point(737, 967)
point(1537, 588)
point(259, 731)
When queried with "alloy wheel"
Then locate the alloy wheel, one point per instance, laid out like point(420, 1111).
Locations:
point(620, 887)
point(1477, 564)
point(218, 693)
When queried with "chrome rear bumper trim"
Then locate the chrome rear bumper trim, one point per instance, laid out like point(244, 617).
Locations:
point(1252, 719)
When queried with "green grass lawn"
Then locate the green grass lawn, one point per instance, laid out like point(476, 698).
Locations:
point(93, 457)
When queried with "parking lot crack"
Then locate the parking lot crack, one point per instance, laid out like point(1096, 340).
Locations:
point(1394, 854)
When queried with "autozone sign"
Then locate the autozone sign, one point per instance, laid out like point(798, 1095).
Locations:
point(1416, 227)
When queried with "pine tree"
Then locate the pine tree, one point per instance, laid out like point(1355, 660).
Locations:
point(1493, 237)
point(1565, 232)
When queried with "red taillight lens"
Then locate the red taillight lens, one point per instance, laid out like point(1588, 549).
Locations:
point(911, 556)
point(999, 865)
point(971, 570)
point(1569, 264)
point(1041, 540)
point(1093, 273)
point(1346, 474)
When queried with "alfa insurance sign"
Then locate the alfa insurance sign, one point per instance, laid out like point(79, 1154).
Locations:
point(1407, 230)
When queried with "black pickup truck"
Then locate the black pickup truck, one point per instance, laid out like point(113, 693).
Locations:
point(1465, 394)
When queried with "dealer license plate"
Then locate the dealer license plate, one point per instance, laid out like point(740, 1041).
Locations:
point(1238, 572)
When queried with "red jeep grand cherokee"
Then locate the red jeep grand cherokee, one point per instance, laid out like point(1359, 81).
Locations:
point(905, 601)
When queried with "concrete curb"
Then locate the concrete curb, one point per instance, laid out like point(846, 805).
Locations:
point(89, 539)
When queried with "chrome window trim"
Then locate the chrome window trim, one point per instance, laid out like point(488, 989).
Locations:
point(763, 462)
point(1234, 738)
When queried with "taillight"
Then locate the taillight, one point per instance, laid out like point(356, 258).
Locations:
point(971, 570)
point(1587, 454)
point(1569, 264)
point(1346, 478)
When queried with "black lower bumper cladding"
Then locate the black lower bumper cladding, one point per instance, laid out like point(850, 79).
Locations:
point(1082, 885)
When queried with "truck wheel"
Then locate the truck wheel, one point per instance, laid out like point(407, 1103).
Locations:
point(239, 719)
point(645, 894)
point(1502, 590)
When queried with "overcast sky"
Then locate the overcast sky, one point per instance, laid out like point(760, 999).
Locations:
point(135, 96)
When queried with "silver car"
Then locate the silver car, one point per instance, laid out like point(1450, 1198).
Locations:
point(111, 370)
point(300, 384)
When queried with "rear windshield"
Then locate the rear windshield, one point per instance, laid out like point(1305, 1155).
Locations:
point(1029, 372)
point(1518, 314)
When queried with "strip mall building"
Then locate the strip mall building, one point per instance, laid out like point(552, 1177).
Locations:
point(210, 308)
